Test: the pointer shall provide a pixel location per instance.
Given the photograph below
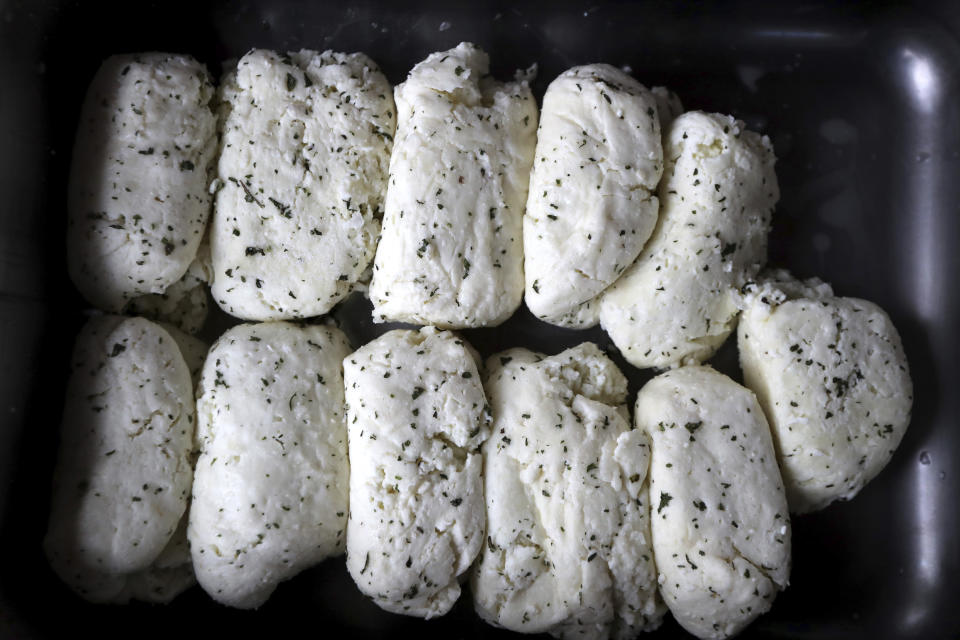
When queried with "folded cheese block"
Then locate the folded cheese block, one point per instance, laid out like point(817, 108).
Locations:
point(568, 547)
point(138, 200)
point(183, 304)
point(721, 530)
point(302, 173)
point(669, 107)
point(416, 416)
point(451, 254)
point(592, 202)
point(270, 490)
point(833, 380)
point(677, 303)
point(170, 574)
point(124, 469)
point(193, 350)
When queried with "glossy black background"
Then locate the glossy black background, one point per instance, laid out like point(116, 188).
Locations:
point(862, 102)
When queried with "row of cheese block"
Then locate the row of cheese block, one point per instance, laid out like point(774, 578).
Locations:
point(615, 209)
point(402, 454)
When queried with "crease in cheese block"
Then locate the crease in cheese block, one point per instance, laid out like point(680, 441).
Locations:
point(194, 352)
point(416, 415)
point(138, 201)
point(183, 304)
point(170, 574)
point(677, 303)
point(568, 548)
point(124, 469)
point(270, 489)
point(592, 201)
point(306, 140)
point(721, 528)
point(833, 380)
point(451, 254)
point(669, 106)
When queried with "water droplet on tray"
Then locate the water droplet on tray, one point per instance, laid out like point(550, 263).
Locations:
point(924, 457)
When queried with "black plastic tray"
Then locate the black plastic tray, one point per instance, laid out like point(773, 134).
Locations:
point(863, 106)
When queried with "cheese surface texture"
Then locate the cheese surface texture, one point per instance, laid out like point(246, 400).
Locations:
point(124, 470)
point(303, 167)
point(416, 416)
point(138, 202)
point(451, 254)
point(568, 548)
point(833, 379)
point(270, 490)
point(721, 530)
point(592, 202)
point(677, 303)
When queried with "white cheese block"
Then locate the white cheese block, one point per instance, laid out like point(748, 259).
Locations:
point(592, 202)
point(416, 416)
point(833, 380)
point(124, 470)
point(451, 254)
point(721, 530)
point(568, 547)
point(676, 304)
point(138, 202)
point(303, 167)
point(172, 571)
point(270, 489)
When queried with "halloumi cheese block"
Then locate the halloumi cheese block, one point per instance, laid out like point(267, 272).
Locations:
point(138, 200)
point(416, 416)
point(171, 573)
point(568, 548)
point(833, 380)
point(677, 303)
point(592, 202)
point(270, 489)
point(451, 254)
point(303, 167)
point(721, 530)
point(124, 470)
